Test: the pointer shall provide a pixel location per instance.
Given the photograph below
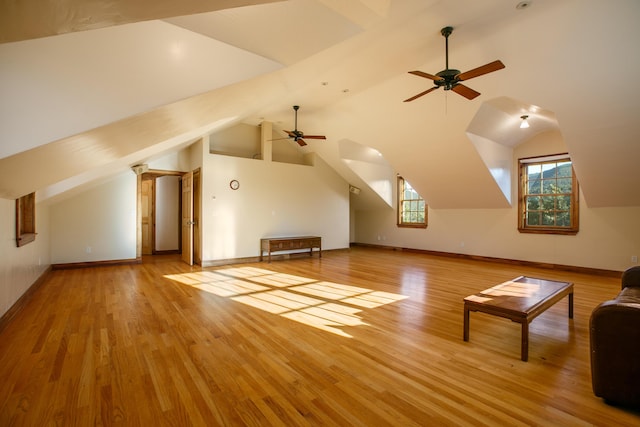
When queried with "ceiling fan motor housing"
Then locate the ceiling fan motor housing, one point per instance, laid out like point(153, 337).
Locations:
point(448, 78)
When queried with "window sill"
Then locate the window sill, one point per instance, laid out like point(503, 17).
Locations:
point(542, 230)
point(25, 238)
point(412, 225)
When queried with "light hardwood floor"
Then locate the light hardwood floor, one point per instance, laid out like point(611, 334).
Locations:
point(359, 337)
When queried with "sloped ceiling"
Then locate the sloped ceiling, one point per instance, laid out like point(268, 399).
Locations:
point(29, 19)
point(86, 104)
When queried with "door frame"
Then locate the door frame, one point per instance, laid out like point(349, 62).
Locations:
point(155, 173)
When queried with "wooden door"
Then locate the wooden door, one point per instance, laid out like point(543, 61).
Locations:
point(187, 218)
point(146, 193)
point(196, 191)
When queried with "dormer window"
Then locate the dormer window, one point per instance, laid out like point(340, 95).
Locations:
point(548, 195)
point(412, 209)
point(26, 219)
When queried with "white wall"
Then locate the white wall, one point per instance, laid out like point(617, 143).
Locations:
point(96, 225)
point(167, 213)
point(21, 267)
point(274, 199)
point(607, 239)
point(178, 161)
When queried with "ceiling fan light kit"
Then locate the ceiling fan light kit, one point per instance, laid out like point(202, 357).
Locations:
point(450, 78)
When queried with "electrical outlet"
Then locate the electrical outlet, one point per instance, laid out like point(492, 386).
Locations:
point(88, 249)
point(634, 259)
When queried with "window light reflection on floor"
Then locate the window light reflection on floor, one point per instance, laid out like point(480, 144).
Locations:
point(515, 289)
point(324, 305)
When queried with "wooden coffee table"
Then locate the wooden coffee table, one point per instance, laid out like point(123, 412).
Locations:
point(520, 300)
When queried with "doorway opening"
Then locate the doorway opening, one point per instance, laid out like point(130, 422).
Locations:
point(163, 227)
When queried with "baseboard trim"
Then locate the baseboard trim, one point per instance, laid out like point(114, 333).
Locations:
point(96, 263)
point(24, 298)
point(549, 266)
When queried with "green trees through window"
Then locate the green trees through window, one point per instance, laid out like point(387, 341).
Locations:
point(412, 209)
point(548, 199)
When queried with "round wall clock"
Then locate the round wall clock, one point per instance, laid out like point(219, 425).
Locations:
point(234, 184)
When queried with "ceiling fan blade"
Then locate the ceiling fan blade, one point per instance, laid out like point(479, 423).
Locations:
point(421, 94)
point(288, 132)
point(301, 142)
point(425, 75)
point(277, 139)
point(465, 91)
point(487, 68)
point(315, 136)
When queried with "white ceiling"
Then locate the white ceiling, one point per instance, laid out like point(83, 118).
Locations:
point(279, 31)
point(79, 106)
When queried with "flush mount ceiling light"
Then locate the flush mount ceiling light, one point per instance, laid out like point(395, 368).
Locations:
point(524, 124)
point(524, 4)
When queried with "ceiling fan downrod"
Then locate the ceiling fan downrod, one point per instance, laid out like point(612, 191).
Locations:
point(295, 108)
point(446, 32)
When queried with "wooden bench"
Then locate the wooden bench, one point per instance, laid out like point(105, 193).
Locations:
point(279, 244)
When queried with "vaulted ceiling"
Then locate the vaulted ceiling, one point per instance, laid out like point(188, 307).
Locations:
point(89, 88)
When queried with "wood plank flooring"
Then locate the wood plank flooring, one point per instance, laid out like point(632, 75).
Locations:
point(362, 337)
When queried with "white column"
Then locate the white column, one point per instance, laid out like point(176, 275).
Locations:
point(266, 144)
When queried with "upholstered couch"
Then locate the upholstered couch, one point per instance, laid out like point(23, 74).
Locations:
point(615, 344)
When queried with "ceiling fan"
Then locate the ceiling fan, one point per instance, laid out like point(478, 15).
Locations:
point(299, 135)
point(450, 78)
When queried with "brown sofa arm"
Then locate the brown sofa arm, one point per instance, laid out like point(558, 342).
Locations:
point(615, 352)
point(631, 277)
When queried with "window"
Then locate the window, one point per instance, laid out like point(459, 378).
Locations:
point(26, 219)
point(548, 195)
point(412, 210)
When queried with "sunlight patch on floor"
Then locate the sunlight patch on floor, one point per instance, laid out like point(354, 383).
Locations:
point(324, 305)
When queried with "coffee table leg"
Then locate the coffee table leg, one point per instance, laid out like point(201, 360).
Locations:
point(524, 350)
point(571, 305)
point(465, 335)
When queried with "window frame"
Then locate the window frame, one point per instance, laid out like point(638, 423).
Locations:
point(25, 219)
point(400, 202)
point(574, 210)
